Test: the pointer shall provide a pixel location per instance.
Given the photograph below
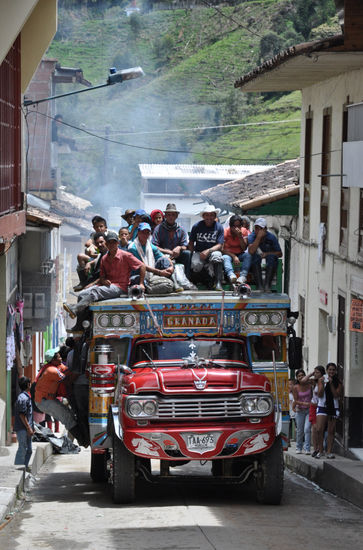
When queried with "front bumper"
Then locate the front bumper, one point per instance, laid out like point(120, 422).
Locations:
point(205, 443)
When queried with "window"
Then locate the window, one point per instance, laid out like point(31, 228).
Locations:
point(325, 165)
point(307, 172)
point(344, 191)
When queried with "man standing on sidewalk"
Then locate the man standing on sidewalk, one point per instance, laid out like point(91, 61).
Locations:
point(23, 423)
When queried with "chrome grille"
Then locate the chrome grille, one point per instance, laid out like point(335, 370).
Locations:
point(210, 407)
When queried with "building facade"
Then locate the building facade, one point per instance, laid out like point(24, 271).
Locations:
point(26, 29)
point(327, 266)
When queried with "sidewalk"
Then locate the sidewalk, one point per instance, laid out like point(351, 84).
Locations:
point(340, 476)
point(12, 480)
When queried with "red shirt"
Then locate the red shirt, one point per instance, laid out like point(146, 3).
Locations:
point(118, 269)
point(231, 242)
point(47, 384)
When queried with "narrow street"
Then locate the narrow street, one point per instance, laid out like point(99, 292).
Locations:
point(65, 510)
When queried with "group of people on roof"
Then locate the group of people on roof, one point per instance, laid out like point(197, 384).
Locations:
point(155, 252)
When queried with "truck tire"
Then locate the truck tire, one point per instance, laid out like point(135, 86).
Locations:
point(99, 472)
point(270, 477)
point(123, 473)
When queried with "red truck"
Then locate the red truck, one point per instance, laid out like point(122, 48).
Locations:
point(198, 376)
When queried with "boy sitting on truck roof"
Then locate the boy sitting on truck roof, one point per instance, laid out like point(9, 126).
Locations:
point(265, 242)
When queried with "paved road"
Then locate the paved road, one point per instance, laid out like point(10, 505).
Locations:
point(65, 510)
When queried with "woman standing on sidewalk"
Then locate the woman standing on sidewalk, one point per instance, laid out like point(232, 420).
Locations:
point(302, 396)
point(329, 391)
point(313, 378)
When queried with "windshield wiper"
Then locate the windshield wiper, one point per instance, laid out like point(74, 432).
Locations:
point(148, 356)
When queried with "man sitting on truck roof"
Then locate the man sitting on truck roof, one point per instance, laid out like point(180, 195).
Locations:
point(116, 267)
point(206, 242)
point(172, 239)
point(159, 268)
point(265, 242)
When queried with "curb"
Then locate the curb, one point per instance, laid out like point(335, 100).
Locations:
point(14, 482)
point(342, 477)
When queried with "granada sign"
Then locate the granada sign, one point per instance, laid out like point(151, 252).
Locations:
point(191, 321)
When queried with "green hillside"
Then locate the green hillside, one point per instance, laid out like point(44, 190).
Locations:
point(179, 111)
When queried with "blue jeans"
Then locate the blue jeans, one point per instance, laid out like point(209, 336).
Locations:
point(303, 429)
point(244, 258)
point(25, 450)
point(253, 259)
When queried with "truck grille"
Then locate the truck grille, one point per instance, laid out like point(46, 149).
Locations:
point(210, 407)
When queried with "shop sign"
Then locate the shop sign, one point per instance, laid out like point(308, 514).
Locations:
point(356, 316)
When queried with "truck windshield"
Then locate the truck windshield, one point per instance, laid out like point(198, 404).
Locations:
point(191, 350)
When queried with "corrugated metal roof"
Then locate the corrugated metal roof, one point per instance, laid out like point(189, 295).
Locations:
point(200, 171)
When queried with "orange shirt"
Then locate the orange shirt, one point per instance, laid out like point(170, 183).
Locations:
point(47, 385)
point(231, 242)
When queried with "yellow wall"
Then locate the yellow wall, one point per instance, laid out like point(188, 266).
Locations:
point(36, 35)
point(14, 13)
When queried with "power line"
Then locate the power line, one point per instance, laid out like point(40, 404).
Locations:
point(161, 150)
point(231, 18)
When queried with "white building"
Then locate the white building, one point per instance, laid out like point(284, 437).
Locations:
point(327, 264)
point(182, 184)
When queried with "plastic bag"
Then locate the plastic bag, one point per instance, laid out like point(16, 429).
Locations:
point(182, 279)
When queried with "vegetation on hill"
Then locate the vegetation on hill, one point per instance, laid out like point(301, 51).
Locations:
point(185, 109)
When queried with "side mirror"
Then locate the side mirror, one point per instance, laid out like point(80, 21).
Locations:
point(124, 369)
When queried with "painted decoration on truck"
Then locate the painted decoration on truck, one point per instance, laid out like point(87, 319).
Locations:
point(145, 447)
point(257, 443)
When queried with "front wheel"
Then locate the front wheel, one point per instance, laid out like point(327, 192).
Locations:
point(123, 473)
point(270, 475)
point(99, 473)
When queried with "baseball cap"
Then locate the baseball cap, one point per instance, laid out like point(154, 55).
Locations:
point(261, 222)
point(49, 354)
point(140, 212)
point(111, 236)
point(144, 226)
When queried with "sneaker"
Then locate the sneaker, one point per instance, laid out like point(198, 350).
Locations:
point(307, 452)
point(78, 287)
point(319, 455)
point(330, 455)
point(241, 279)
point(232, 279)
point(298, 452)
point(314, 454)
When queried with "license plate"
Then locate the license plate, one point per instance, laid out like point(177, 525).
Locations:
point(201, 442)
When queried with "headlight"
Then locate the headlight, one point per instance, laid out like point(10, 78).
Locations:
point(135, 408)
point(150, 408)
point(142, 408)
point(257, 405)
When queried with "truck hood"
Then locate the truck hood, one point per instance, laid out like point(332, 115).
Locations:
point(177, 379)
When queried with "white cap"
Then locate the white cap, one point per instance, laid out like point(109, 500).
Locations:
point(208, 209)
point(261, 222)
